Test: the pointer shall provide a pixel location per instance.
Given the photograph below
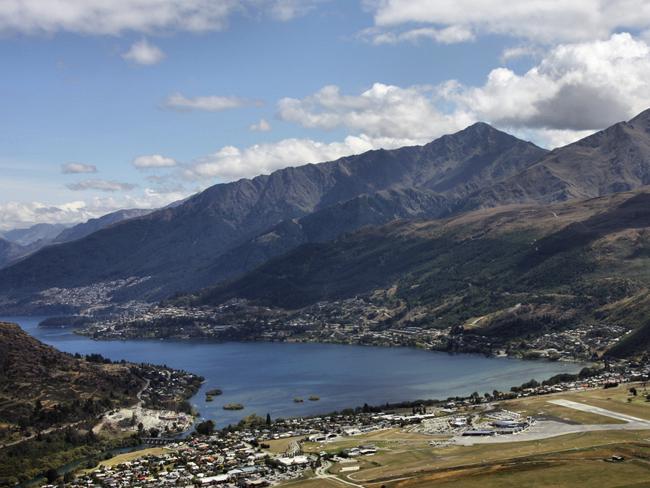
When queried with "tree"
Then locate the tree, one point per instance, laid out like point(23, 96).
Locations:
point(268, 419)
point(51, 475)
point(205, 428)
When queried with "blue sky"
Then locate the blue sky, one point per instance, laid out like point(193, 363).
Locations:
point(93, 91)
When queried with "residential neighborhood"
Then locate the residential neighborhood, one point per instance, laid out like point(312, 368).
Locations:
point(260, 452)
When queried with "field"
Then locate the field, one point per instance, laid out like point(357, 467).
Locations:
point(406, 460)
point(130, 456)
point(279, 446)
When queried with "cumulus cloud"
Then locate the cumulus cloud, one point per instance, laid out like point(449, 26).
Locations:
point(575, 87)
point(145, 53)
point(230, 162)
point(77, 168)
point(101, 185)
point(545, 21)
point(382, 111)
point(182, 103)
point(153, 161)
point(23, 214)
point(261, 126)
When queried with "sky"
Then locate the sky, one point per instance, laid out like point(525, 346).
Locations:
point(139, 103)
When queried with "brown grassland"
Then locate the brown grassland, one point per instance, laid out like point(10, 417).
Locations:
point(406, 460)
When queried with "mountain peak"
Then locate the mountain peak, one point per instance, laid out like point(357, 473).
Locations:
point(479, 128)
point(642, 118)
point(484, 130)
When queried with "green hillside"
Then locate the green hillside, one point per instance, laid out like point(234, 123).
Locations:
point(510, 270)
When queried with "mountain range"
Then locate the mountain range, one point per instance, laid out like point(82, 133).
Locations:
point(84, 229)
point(19, 243)
point(231, 229)
point(500, 273)
point(33, 234)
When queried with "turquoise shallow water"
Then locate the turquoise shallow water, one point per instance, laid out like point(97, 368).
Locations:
point(266, 377)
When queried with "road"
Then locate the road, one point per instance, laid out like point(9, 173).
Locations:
point(598, 411)
point(321, 473)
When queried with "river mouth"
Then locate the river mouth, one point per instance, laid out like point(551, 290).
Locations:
point(265, 378)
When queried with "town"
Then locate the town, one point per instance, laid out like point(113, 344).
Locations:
point(351, 321)
point(261, 452)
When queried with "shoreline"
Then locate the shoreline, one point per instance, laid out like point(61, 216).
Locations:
point(213, 340)
point(399, 407)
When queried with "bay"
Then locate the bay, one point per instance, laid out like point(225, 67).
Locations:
point(266, 377)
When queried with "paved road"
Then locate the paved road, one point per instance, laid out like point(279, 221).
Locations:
point(597, 410)
point(321, 473)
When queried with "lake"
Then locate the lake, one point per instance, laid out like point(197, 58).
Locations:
point(266, 377)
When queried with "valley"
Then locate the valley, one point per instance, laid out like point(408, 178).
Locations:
point(501, 281)
point(476, 242)
point(325, 244)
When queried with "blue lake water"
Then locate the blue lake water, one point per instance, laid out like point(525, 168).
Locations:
point(266, 377)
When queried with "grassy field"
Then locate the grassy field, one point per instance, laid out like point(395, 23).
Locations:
point(389, 439)
point(540, 407)
point(616, 399)
point(582, 468)
point(314, 483)
point(574, 460)
point(278, 446)
point(130, 456)
point(394, 464)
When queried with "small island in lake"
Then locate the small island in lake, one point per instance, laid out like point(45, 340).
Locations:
point(314, 398)
point(210, 394)
point(233, 406)
point(298, 400)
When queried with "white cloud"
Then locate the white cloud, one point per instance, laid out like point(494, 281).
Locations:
point(153, 161)
point(382, 111)
point(575, 87)
point(261, 126)
point(517, 52)
point(545, 21)
point(449, 35)
point(101, 185)
point(208, 103)
point(77, 168)
point(285, 10)
point(104, 17)
point(230, 162)
point(145, 53)
point(101, 17)
point(23, 214)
